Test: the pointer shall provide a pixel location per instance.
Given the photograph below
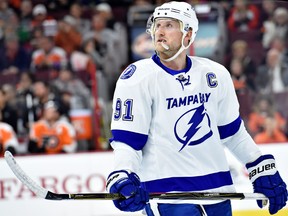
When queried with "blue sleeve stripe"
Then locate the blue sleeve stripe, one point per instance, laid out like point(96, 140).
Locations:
point(259, 160)
point(135, 140)
point(229, 129)
point(195, 183)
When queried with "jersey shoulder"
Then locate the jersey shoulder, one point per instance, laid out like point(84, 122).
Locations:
point(138, 71)
point(63, 122)
point(40, 124)
point(6, 127)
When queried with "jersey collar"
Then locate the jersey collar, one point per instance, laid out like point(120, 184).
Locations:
point(156, 59)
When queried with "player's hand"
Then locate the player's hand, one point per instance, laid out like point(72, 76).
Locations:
point(127, 184)
point(267, 180)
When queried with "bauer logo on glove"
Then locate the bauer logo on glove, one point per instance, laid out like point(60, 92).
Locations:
point(270, 167)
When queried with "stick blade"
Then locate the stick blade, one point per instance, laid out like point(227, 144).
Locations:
point(23, 177)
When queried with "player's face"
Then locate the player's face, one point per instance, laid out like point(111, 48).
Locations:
point(51, 114)
point(168, 36)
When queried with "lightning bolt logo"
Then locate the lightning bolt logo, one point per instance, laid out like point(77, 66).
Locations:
point(195, 118)
point(128, 72)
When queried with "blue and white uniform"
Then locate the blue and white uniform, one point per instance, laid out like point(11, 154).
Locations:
point(171, 126)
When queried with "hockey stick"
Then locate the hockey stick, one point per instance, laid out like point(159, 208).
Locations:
point(45, 194)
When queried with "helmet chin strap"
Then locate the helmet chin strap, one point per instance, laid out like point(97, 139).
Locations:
point(174, 56)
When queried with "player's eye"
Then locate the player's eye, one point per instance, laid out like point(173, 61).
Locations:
point(165, 26)
point(157, 26)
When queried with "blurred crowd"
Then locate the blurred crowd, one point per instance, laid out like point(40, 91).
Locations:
point(60, 61)
point(258, 62)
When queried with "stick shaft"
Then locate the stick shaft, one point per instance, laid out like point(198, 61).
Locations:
point(44, 193)
point(159, 196)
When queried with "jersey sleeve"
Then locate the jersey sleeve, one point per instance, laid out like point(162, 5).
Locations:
point(68, 138)
point(231, 128)
point(132, 157)
point(34, 133)
point(228, 106)
point(132, 108)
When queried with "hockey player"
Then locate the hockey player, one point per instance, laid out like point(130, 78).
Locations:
point(53, 133)
point(172, 116)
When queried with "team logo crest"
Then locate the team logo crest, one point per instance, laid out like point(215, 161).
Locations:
point(128, 72)
point(193, 127)
point(50, 141)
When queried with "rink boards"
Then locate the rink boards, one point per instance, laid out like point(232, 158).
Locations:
point(86, 173)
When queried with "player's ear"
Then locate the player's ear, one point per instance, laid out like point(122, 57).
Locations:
point(188, 36)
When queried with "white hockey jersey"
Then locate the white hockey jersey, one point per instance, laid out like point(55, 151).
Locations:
point(179, 120)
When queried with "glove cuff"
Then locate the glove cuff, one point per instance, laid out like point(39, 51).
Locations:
point(116, 176)
point(263, 166)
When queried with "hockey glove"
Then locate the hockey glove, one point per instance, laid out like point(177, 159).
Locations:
point(127, 184)
point(266, 180)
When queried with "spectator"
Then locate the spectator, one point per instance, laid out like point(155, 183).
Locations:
point(8, 113)
point(10, 95)
point(243, 16)
point(39, 15)
point(238, 77)
point(82, 24)
point(25, 83)
point(25, 22)
point(104, 10)
point(53, 133)
point(271, 133)
point(279, 44)
point(14, 59)
point(67, 36)
point(42, 94)
point(100, 44)
point(267, 10)
point(8, 138)
point(239, 51)
point(12, 27)
point(11, 102)
point(69, 84)
point(6, 16)
point(264, 107)
point(272, 77)
point(37, 34)
point(25, 102)
point(277, 27)
point(26, 9)
point(48, 56)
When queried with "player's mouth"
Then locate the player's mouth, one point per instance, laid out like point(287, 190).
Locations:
point(161, 41)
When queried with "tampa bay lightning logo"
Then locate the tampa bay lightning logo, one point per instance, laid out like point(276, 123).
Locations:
point(128, 72)
point(193, 127)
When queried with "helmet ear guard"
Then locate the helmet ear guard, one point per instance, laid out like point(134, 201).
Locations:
point(149, 24)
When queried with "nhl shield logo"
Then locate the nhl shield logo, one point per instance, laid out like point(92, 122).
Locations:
point(193, 127)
